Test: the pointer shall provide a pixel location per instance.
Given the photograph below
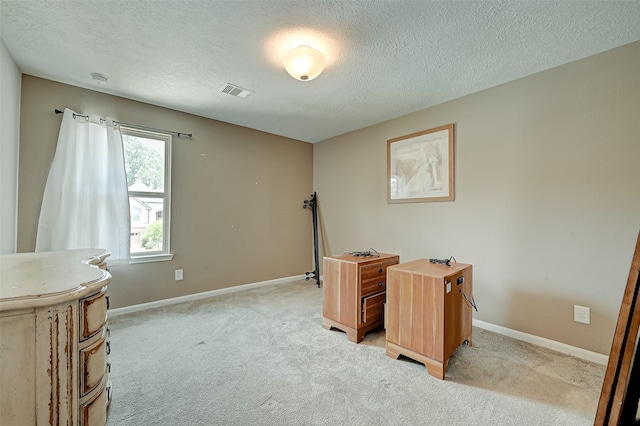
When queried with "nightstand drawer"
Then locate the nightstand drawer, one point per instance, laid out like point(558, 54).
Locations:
point(373, 271)
point(374, 286)
point(372, 307)
point(374, 277)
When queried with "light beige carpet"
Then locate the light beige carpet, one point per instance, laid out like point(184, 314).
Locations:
point(261, 357)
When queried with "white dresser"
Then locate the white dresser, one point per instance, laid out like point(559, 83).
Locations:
point(54, 338)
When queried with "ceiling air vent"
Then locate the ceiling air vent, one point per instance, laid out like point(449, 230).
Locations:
point(235, 90)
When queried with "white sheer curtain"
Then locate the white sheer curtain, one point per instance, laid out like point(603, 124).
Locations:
point(86, 203)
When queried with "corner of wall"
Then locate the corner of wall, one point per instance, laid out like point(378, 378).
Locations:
point(10, 85)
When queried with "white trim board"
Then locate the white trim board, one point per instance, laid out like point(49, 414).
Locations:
point(199, 296)
point(519, 335)
point(545, 343)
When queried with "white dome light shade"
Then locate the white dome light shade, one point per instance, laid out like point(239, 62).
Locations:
point(304, 63)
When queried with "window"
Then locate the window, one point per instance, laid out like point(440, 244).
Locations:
point(135, 213)
point(147, 157)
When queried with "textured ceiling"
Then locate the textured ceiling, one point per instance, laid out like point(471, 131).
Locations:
point(385, 58)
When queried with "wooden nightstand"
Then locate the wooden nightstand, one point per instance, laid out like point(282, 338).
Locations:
point(354, 289)
point(428, 317)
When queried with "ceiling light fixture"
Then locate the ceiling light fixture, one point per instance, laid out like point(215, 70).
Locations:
point(304, 63)
point(99, 78)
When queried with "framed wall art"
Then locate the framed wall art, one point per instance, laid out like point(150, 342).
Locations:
point(420, 166)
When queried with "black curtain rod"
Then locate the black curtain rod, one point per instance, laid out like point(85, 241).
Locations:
point(135, 126)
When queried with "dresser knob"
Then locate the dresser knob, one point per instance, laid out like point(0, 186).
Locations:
point(380, 270)
point(108, 348)
point(381, 283)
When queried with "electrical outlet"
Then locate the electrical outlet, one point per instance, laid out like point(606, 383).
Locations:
point(581, 314)
point(179, 274)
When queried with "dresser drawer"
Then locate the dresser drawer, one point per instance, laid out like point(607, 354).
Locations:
point(93, 365)
point(93, 314)
point(372, 307)
point(94, 411)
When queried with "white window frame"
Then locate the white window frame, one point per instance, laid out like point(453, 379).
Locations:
point(165, 253)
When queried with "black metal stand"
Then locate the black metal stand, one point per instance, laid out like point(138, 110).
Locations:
point(312, 204)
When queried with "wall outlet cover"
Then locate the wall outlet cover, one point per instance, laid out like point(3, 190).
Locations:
point(581, 314)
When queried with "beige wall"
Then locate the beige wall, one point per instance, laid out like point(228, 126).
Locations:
point(9, 142)
point(547, 202)
point(237, 213)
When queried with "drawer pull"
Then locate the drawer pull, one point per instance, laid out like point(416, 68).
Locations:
point(107, 297)
point(108, 367)
point(381, 283)
point(380, 270)
point(108, 348)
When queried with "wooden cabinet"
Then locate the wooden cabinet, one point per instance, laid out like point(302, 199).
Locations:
point(429, 312)
point(53, 338)
point(354, 289)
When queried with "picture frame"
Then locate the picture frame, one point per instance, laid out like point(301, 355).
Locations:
point(420, 166)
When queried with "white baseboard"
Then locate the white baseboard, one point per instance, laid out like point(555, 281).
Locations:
point(545, 343)
point(199, 296)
